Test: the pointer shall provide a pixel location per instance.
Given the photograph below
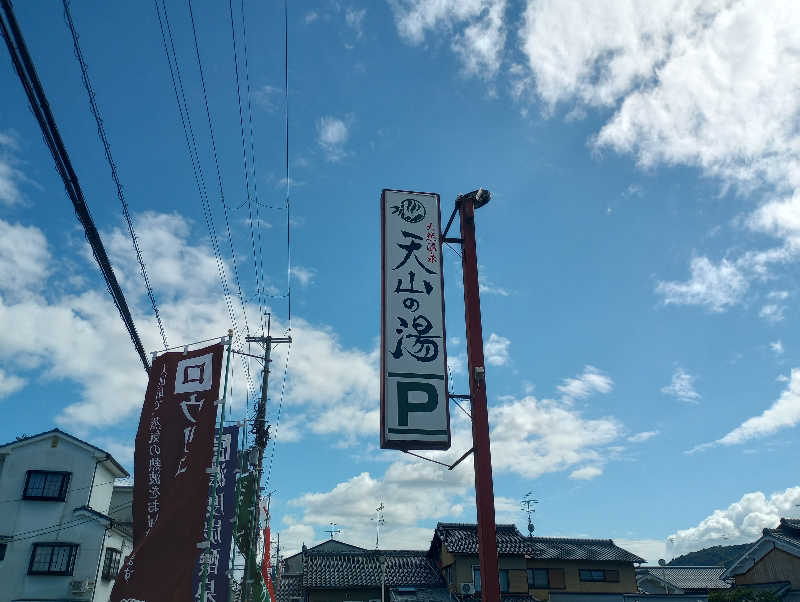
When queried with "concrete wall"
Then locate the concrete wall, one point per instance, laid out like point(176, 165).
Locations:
point(776, 565)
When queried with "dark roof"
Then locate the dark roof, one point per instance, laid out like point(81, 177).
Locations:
point(362, 569)
point(462, 538)
point(329, 545)
point(688, 577)
point(788, 531)
point(291, 586)
point(57, 431)
point(420, 594)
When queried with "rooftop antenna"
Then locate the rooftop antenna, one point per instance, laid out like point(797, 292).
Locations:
point(528, 503)
point(379, 522)
point(333, 530)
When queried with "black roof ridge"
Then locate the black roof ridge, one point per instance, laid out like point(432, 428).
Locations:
point(474, 525)
point(682, 566)
point(575, 539)
point(366, 552)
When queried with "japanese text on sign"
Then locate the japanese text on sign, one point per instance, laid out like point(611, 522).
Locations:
point(414, 403)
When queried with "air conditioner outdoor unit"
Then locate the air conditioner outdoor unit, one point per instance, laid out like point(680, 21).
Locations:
point(467, 589)
point(81, 586)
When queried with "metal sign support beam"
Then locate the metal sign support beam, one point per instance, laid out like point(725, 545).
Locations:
point(484, 486)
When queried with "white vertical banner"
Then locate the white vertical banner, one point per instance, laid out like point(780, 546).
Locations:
point(414, 404)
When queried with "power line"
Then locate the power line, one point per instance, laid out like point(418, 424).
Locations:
point(197, 170)
point(41, 110)
point(259, 284)
point(87, 84)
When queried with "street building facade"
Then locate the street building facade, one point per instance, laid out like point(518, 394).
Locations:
point(64, 526)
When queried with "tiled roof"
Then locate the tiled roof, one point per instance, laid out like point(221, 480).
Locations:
point(420, 594)
point(562, 548)
point(788, 531)
point(688, 577)
point(291, 586)
point(362, 569)
point(461, 538)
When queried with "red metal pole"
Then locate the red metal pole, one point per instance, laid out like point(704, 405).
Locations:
point(484, 487)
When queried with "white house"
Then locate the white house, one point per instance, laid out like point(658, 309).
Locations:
point(58, 540)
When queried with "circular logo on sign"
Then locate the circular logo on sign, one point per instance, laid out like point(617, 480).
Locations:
point(410, 210)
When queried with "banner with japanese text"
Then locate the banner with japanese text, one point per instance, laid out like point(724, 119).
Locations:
point(414, 404)
point(221, 509)
point(171, 475)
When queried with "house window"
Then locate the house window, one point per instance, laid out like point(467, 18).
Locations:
point(3, 547)
point(538, 579)
point(476, 577)
point(111, 563)
point(448, 574)
point(598, 575)
point(46, 485)
point(52, 559)
point(504, 580)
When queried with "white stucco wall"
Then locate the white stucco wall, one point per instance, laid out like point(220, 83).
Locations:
point(30, 521)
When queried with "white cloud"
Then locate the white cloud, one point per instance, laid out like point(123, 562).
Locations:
point(741, 522)
point(642, 437)
point(310, 17)
point(682, 386)
point(591, 381)
point(532, 437)
point(332, 135)
point(10, 175)
point(776, 347)
point(652, 550)
point(586, 473)
point(304, 276)
point(9, 383)
point(323, 374)
point(355, 20)
point(496, 350)
point(673, 70)
point(772, 312)
point(476, 28)
point(24, 259)
point(268, 97)
point(714, 286)
point(783, 413)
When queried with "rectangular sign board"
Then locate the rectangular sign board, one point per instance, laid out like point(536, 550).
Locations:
point(414, 404)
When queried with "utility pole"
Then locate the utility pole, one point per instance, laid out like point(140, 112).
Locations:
point(484, 487)
point(261, 432)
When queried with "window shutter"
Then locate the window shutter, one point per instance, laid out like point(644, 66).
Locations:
point(517, 581)
point(612, 575)
point(557, 580)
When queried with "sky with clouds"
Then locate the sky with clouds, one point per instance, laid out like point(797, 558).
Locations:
point(637, 261)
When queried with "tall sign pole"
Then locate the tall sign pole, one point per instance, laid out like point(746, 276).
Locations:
point(484, 486)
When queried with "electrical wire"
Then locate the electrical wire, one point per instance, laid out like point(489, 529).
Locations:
point(87, 84)
point(259, 296)
point(197, 170)
point(40, 107)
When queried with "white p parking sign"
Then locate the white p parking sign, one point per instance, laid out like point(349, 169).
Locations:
point(414, 404)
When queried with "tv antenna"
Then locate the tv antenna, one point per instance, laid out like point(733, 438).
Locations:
point(528, 503)
point(333, 530)
point(379, 522)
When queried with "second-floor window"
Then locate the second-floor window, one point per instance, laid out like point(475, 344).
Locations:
point(546, 579)
point(3, 547)
point(111, 563)
point(504, 580)
point(53, 559)
point(598, 575)
point(46, 485)
point(476, 577)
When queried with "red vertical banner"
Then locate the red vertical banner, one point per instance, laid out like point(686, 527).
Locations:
point(265, 561)
point(174, 446)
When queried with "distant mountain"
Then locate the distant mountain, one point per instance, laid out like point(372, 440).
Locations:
point(714, 556)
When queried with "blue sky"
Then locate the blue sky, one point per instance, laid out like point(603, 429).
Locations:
point(637, 259)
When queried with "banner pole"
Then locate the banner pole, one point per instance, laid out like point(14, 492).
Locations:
point(215, 474)
point(236, 514)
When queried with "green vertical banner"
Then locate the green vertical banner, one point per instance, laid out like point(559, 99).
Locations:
point(246, 515)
